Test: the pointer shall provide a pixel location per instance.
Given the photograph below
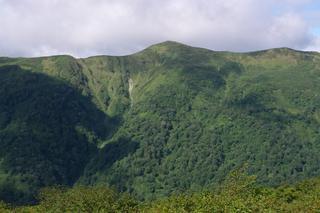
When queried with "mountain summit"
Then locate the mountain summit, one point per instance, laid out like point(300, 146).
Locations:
point(170, 118)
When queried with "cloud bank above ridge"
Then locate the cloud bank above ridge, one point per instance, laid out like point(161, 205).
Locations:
point(118, 27)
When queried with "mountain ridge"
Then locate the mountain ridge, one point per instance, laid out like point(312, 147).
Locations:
point(160, 121)
point(170, 43)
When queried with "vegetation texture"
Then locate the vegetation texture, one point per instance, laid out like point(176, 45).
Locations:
point(239, 193)
point(166, 120)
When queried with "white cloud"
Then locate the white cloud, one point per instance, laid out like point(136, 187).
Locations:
point(288, 30)
point(314, 45)
point(87, 27)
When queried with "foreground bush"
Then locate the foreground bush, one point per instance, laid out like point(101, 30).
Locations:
point(239, 193)
point(82, 199)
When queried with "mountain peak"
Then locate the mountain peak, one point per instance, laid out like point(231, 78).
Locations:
point(168, 44)
point(174, 47)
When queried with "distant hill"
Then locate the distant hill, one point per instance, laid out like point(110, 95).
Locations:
point(168, 119)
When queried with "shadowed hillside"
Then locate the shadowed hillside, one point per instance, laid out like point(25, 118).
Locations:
point(168, 119)
point(48, 132)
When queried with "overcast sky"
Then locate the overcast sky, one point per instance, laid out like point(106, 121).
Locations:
point(118, 27)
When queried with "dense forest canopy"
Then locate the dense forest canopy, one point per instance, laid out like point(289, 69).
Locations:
point(167, 120)
point(238, 193)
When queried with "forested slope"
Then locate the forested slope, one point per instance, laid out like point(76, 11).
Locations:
point(168, 119)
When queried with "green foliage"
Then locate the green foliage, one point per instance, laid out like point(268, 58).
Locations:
point(84, 199)
point(203, 114)
point(40, 144)
point(166, 120)
point(239, 193)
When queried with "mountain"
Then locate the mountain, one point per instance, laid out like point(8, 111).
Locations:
point(168, 119)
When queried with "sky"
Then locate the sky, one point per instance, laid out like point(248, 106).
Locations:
point(118, 27)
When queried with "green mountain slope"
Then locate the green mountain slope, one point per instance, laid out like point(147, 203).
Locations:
point(170, 118)
point(47, 131)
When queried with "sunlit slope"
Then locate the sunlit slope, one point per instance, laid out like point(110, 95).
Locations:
point(179, 118)
point(197, 114)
